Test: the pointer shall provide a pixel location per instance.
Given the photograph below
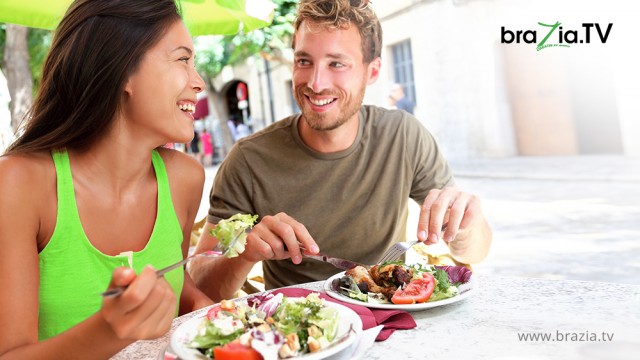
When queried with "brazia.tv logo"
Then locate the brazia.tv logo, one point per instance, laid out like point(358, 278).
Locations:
point(556, 36)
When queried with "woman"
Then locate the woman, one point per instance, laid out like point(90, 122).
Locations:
point(90, 200)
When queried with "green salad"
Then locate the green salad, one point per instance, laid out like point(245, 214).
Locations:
point(275, 326)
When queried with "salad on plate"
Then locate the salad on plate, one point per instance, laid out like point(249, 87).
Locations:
point(267, 326)
point(400, 283)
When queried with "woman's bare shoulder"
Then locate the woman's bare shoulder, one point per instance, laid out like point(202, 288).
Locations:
point(26, 169)
point(27, 183)
point(182, 168)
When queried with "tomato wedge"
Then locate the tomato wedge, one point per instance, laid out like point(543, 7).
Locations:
point(235, 351)
point(416, 291)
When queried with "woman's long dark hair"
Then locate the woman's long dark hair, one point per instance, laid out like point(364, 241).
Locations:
point(96, 47)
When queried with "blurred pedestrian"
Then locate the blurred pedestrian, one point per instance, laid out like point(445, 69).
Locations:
point(207, 147)
point(231, 123)
point(401, 102)
point(194, 146)
point(242, 130)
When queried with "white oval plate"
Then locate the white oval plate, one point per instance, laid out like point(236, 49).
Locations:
point(348, 318)
point(465, 290)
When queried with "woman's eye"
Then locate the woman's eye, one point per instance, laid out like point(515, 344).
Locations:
point(185, 59)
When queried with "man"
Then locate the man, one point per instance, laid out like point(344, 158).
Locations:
point(400, 101)
point(337, 177)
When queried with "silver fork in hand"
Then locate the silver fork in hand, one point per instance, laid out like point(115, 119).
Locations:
point(394, 252)
point(217, 251)
point(115, 291)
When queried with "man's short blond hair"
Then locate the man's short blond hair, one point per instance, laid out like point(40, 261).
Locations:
point(340, 14)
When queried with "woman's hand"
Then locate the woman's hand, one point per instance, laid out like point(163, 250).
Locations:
point(144, 310)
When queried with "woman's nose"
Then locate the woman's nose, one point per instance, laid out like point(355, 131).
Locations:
point(198, 83)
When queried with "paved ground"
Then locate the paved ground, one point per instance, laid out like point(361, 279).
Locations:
point(555, 217)
point(565, 218)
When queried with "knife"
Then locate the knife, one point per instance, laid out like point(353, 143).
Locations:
point(337, 262)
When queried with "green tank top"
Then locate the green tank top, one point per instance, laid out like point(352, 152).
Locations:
point(73, 272)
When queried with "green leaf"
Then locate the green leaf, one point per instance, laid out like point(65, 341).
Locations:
point(226, 231)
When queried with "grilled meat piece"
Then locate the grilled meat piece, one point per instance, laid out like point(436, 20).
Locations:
point(401, 275)
point(389, 291)
point(390, 275)
point(363, 279)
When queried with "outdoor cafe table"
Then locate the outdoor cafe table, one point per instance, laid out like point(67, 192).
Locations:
point(571, 320)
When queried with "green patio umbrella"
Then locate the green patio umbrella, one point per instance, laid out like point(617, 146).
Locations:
point(202, 17)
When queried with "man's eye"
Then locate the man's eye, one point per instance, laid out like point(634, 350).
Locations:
point(302, 62)
point(185, 59)
point(337, 65)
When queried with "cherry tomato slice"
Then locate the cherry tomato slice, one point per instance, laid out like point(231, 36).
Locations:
point(235, 351)
point(416, 291)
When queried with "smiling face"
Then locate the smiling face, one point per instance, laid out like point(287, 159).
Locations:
point(329, 76)
point(160, 97)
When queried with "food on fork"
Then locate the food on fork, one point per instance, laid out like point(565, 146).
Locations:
point(399, 283)
point(232, 233)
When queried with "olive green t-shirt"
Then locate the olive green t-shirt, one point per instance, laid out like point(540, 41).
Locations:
point(353, 202)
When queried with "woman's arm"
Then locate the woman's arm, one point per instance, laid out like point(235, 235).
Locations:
point(186, 179)
point(221, 277)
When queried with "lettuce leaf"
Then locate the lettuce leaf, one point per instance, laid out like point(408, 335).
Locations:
point(227, 230)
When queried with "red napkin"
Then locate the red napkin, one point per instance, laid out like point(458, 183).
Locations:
point(392, 320)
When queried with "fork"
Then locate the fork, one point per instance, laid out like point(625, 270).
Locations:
point(217, 251)
point(394, 252)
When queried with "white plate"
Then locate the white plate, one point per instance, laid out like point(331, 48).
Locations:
point(465, 290)
point(348, 318)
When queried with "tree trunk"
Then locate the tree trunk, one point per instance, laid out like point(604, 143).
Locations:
point(18, 74)
point(217, 100)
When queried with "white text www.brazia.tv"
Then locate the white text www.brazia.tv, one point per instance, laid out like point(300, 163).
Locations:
point(585, 336)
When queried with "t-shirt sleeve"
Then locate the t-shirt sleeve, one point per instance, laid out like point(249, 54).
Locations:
point(232, 188)
point(432, 170)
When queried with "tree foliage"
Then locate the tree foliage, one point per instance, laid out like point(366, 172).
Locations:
point(216, 52)
point(39, 42)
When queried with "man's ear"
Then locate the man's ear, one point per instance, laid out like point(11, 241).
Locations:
point(374, 70)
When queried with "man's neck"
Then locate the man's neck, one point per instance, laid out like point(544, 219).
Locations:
point(329, 141)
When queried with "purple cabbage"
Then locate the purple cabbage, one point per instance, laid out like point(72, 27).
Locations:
point(267, 302)
point(259, 299)
point(457, 274)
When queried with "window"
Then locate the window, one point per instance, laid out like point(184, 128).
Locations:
point(403, 68)
point(292, 99)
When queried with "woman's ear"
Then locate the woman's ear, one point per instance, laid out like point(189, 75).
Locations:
point(128, 88)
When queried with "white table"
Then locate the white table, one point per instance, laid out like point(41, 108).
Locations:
point(579, 317)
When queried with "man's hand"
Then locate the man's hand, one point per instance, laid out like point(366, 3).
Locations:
point(278, 237)
point(274, 237)
point(467, 232)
